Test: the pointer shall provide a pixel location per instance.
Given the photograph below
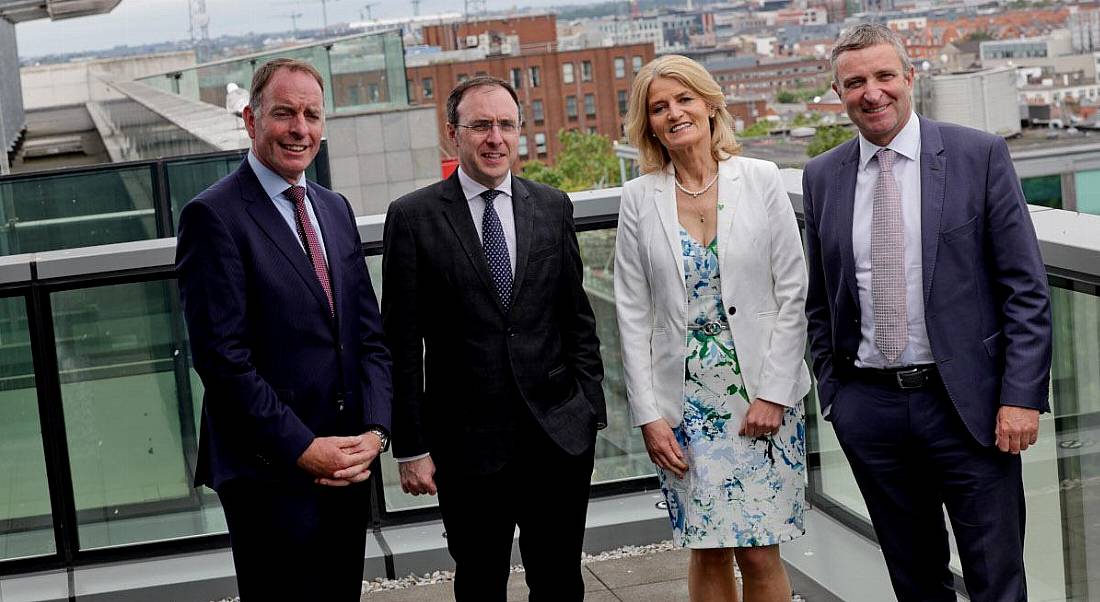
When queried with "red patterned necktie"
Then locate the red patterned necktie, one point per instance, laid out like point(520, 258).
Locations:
point(888, 261)
point(309, 239)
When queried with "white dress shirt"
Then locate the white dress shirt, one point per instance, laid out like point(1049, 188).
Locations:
point(503, 205)
point(907, 172)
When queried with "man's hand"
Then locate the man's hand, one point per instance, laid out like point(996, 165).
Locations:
point(762, 419)
point(1017, 428)
point(663, 448)
point(339, 461)
point(417, 476)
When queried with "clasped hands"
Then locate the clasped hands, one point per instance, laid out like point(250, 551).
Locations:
point(763, 418)
point(340, 461)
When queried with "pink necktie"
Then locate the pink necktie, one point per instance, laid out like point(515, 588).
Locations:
point(888, 262)
point(309, 239)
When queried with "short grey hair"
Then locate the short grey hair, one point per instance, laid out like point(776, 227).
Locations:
point(866, 35)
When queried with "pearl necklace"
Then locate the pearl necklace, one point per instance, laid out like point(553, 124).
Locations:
point(695, 195)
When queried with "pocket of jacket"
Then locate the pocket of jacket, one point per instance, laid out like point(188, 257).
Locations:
point(962, 231)
point(767, 314)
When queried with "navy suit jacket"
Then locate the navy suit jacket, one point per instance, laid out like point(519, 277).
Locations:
point(987, 307)
point(276, 366)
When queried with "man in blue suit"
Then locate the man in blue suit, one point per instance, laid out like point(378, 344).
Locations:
point(929, 324)
point(286, 335)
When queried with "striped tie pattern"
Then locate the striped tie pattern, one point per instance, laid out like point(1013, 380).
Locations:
point(888, 261)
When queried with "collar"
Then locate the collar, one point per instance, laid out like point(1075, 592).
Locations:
point(906, 143)
point(472, 188)
point(273, 184)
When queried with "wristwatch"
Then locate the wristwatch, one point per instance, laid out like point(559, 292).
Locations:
point(381, 436)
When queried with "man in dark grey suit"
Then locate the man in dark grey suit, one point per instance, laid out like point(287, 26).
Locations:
point(496, 362)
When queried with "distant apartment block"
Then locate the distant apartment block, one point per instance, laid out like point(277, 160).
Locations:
point(752, 76)
point(460, 34)
point(1002, 51)
point(1084, 28)
point(585, 89)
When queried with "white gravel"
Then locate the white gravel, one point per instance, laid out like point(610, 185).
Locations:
point(381, 584)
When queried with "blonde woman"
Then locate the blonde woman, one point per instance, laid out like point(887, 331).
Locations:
point(710, 287)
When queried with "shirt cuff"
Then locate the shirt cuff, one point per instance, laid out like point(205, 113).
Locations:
point(412, 458)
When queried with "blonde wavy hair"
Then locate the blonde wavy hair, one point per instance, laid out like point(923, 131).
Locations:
point(652, 155)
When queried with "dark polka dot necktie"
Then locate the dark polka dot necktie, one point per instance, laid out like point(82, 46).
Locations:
point(496, 249)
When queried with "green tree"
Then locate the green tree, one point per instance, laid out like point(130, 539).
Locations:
point(786, 97)
point(979, 36)
point(827, 137)
point(586, 161)
point(541, 172)
point(760, 128)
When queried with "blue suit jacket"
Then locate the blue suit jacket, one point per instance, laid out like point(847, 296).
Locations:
point(987, 307)
point(274, 363)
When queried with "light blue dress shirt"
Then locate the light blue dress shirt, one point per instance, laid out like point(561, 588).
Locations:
point(275, 187)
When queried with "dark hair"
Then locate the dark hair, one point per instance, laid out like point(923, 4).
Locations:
point(263, 75)
point(459, 91)
point(866, 35)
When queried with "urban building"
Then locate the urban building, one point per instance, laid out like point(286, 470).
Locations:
point(768, 76)
point(585, 89)
point(986, 100)
point(458, 34)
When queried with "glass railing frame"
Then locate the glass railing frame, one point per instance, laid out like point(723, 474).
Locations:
point(52, 272)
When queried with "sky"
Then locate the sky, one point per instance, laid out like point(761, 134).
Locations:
point(136, 22)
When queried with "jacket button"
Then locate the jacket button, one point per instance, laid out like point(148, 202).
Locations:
point(732, 310)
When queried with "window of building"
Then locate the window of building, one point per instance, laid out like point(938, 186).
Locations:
point(462, 77)
point(636, 63)
point(586, 71)
point(620, 67)
point(621, 97)
point(411, 87)
point(567, 73)
point(571, 107)
point(537, 112)
point(534, 75)
point(429, 89)
point(517, 78)
point(373, 92)
point(540, 144)
point(590, 105)
point(481, 74)
point(523, 146)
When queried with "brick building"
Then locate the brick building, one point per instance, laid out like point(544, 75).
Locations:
point(584, 89)
point(531, 30)
point(768, 77)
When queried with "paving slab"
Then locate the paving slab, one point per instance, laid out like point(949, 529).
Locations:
point(652, 568)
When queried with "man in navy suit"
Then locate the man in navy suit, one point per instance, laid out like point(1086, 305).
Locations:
point(286, 335)
point(929, 324)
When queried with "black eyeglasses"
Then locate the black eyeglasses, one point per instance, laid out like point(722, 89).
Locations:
point(484, 126)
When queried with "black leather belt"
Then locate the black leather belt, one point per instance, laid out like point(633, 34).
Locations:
point(909, 377)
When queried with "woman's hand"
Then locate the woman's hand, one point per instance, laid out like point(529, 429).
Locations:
point(663, 448)
point(762, 419)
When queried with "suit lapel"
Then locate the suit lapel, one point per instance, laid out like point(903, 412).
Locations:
point(845, 198)
point(933, 178)
point(456, 210)
point(523, 210)
point(262, 210)
point(729, 195)
point(664, 194)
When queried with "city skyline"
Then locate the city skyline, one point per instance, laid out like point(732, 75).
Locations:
point(134, 22)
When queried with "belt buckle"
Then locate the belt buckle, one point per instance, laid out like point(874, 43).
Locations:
point(712, 329)
point(911, 378)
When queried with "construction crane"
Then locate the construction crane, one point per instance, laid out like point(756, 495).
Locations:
point(416, 7)
point(294, 16)
point(324, 9)
point(365, 12)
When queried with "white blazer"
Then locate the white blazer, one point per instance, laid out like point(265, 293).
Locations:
point(763, 288)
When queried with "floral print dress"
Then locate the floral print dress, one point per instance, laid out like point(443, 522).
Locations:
point(738, 491)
